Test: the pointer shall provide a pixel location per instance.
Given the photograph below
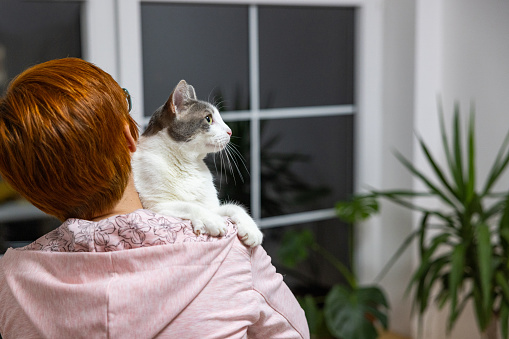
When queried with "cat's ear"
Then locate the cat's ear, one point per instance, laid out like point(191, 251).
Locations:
point(192, 93)
point(182, 93)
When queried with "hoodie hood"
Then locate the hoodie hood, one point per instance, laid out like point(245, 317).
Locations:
point(125, 276)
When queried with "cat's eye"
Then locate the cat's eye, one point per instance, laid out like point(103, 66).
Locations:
point(208, 118)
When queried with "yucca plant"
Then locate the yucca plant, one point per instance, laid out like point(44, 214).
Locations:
point(464, 242)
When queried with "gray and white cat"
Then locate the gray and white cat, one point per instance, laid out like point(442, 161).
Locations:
point(169, 169)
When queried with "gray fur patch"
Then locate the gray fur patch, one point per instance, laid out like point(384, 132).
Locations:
point(184, 127)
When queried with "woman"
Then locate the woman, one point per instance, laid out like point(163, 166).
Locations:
point(112, 269)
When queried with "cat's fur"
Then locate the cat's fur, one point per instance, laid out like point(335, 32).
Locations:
point(169, 169)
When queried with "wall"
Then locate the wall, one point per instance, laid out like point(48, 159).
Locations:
point(462, 54)
point(398, 98)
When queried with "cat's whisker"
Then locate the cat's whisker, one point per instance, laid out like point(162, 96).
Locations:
point(220, 170)
point(236, 154)
point(210, 93)
point(220, 104)
point(215, 167)
point(222, 165)
point(228, 151)
point(234, 149)
point(228, 157)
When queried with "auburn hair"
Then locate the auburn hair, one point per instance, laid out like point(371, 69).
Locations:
point(62, 142)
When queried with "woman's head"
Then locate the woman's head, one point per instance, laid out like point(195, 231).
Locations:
point(62, 142)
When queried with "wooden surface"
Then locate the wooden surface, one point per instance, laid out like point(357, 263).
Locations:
point(391, 335)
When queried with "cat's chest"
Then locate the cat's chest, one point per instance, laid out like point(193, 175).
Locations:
point(186, 182)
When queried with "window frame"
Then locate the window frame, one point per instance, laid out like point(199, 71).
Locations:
point(120, 53)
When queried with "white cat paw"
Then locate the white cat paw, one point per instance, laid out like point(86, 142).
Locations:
point(212, 224)
point(249, 233)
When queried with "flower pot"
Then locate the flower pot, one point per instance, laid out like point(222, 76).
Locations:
point(493, 330)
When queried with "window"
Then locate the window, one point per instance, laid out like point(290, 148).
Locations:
point(298, 82)
point(32, 32)
point(284, 79)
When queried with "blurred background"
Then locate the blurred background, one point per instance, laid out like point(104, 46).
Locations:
point(318, 94)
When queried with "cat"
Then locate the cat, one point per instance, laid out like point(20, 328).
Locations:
point(169, 169)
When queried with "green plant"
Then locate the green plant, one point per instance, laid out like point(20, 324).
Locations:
point(348, 311)
point(464, 243)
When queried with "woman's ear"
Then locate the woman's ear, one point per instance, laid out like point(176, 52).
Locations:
point(131, 143)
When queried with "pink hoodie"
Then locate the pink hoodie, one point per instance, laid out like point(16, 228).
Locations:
point(143, 275)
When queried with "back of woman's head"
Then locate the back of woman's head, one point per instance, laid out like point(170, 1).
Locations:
point(62, 144)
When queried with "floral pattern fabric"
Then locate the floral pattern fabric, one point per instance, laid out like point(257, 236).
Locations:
point(141, 228)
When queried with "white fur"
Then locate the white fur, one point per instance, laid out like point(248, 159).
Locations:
point(172, 178)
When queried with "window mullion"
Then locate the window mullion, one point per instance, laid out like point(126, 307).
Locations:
point(255, 111)
point(130, 53)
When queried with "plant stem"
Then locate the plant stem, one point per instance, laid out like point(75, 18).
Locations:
point(350, 278)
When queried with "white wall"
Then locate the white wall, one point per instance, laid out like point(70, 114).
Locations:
point(476, 67)
point(398, 87)
point(379, 238)
point(458, 49)
point(462, 54)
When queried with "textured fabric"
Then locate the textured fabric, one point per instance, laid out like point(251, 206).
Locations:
point(128, 231)
point(143, 275)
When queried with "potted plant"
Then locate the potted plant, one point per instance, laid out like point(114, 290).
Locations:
point(464, 243)
point(347, 311)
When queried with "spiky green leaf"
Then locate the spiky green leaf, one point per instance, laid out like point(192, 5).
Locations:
point(485, 263)
point(456, 280)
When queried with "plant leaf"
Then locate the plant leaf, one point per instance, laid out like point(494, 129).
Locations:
point(457, 151)
point(399, 252)
point(359, 208)
point(485, 263)
point(470, 189)
point(503, 284)
point(346, 312)
point(419, 278)
point(445, 141)
point(438, 171)
point(504, 319)
point(503, 228)
point(501, 161)
point(394, 197)
point(433, 188)
point(422, 233)
point(455, 280)
point(314, 316)
point(482, 317)
point(295, 247)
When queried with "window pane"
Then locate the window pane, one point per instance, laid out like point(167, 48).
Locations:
point(33, 32)
point(231, 168)
point(306, 163)
point(205, 45)
point(306, 56)
point(30, 33)
point(314, 274)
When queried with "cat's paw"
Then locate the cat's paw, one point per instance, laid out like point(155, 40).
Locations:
point(212, 224)
point(249, 233)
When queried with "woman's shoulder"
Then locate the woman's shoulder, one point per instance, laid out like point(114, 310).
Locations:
point(141, 228)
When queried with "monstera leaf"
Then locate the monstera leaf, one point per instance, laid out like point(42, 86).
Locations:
point(295, 247)
point(359, 208)
point(352, 313)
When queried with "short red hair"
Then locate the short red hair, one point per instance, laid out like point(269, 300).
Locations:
point(62, 142)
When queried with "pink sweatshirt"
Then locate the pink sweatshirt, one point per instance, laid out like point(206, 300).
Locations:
point(143, 275)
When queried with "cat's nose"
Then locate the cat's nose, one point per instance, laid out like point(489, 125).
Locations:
point(229, 131)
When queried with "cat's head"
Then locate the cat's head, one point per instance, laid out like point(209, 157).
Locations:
point(190, 121)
